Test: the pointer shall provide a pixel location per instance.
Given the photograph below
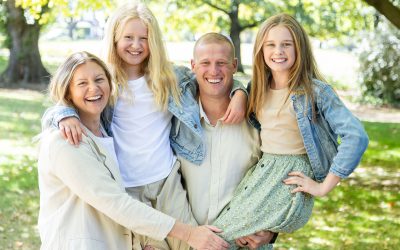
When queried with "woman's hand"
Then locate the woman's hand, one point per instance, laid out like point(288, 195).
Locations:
point(71, 130)
point(237, 108)
point(204, 237)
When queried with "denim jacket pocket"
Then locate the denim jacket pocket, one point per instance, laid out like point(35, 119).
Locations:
point(183, 137)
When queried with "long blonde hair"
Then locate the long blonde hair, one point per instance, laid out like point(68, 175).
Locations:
point(157, 69)
point(302, 73)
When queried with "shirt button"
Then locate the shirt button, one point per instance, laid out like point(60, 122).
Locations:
point(262, 165)
point(195, 126)
point(180, 112)
point(245, 187)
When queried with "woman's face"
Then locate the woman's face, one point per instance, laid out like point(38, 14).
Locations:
point(89, 90)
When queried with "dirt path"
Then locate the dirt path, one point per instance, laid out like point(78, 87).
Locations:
point(370, 113)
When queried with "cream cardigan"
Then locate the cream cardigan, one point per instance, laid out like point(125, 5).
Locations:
point(83, 203)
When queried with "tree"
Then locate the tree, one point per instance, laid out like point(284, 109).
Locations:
point(322, 19)
point(234, 16)
point(21, 21)
point(24, 64)
point(388, 9)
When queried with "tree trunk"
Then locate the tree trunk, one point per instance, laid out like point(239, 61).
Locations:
point(235, 34)
point(388, 9)
point(24, 64)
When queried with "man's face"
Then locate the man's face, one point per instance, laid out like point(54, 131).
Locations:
point(214, 67)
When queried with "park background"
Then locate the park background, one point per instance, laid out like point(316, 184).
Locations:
point(356, 44)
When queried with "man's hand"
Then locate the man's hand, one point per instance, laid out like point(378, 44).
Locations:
point(256, 240)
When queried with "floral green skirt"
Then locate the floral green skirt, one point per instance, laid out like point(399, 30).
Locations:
point(263, 202)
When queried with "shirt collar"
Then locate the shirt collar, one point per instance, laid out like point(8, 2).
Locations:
point(203, 115)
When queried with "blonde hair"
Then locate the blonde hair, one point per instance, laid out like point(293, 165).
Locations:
point(301, 74)
point(157, 69)
point(59, 84)
point(214, 38)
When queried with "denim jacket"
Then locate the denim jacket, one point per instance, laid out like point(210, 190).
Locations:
point(186, 136)
point(333, 122)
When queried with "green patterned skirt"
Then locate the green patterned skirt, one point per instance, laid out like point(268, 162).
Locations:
point(263, 202)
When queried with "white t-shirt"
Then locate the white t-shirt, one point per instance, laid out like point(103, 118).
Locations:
point(141, 136)
point(108, 143)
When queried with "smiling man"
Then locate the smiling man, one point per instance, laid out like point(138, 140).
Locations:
point(231, 149)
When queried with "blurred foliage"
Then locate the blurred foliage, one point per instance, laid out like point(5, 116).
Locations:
point(20, 113)
point(380, 65)
point(323, 19)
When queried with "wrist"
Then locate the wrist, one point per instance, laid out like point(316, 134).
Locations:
point(181, 231)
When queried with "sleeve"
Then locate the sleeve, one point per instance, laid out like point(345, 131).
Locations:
point(91, 180)
point(185, 77)
point(53, 115)
point(353, 138)
point(238, 85)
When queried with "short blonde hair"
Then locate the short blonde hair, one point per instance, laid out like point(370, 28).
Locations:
point(214, 38)
point(59, 84)
point(158, 70)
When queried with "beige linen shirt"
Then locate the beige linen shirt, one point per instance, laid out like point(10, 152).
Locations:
point(83, 203)
point(231, 151)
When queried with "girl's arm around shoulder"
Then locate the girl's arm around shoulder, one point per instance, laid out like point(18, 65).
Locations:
point(55, 114)
point(237, 107)
point(186, 79)
point(353, 138)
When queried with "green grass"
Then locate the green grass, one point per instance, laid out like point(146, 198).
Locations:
point(20, 113)
point(362, 213)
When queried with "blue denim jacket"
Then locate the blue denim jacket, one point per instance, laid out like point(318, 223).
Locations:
point(186, 136)
point(333, 121)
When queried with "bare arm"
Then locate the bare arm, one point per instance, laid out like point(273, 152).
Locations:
point(308, 185)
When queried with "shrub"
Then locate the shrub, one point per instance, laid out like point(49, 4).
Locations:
point(380, 65)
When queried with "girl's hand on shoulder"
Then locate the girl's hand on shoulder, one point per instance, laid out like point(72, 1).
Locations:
point(204, 237)
point(71, 130)
point(237, 109)
point(304, 184)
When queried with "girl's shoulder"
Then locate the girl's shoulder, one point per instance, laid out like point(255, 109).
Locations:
point(182, 73)
point(321, 87)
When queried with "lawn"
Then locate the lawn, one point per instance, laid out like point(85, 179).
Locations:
point(362, 213)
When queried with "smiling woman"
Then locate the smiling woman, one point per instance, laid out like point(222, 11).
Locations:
point(89, 92)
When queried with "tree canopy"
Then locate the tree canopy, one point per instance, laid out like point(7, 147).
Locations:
point(22, 20)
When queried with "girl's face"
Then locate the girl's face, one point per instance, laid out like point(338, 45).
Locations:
point(279, 51)
point(89, 90)
point(133, 47)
